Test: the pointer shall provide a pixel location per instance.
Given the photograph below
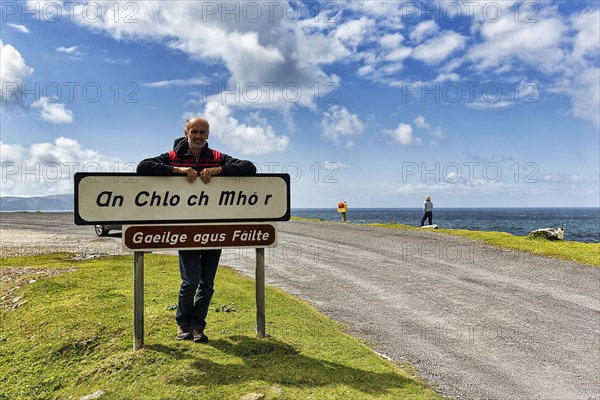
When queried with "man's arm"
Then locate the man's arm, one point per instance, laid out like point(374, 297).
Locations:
point(161, 166)
point(156, 166)
point(229, 166)
point(233, 166)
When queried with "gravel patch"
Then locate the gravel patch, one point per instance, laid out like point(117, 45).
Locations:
point(23, 242)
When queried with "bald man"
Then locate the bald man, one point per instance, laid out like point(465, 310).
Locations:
point(192, 157)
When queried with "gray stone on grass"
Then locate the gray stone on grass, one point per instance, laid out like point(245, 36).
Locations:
point(95, 395)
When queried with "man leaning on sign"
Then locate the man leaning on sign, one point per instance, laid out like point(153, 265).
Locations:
point(192, 157)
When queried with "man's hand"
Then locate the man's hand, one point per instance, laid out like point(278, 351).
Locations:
point(189, 171)
point(206, 173)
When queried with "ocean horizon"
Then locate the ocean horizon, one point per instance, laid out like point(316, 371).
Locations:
point(582, 224)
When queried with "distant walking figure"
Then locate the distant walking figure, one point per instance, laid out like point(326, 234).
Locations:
point(427, 210)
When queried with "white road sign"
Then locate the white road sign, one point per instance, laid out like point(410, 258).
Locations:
point(135, 199)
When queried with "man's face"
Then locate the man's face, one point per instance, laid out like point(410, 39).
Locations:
point(196, 134)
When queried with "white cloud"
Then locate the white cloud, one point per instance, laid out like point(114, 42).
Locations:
point(318, 48)
point(19, 28)
point(13, 71)
point(341, 126)
point(504, 42)
point(436, 49)
point(47, 168)
point(497, 157)
point(72, 51)
point(177, 82)
point(454, 184)
point(68, 50)
point(570, 178)
point(384, 58)
point(355, 32)
point(565, 49)
point(364, 34)
point(11, 153)
point(423, 30)
point(582, 77)
point(56, 113)
point(243, 138)
point(482, 104)
point(398, 54)
point(334, 43)
point(447, 77)
point(421, 122)
point(117, 60)
point(61, 151)
point(584, 91)
point(389, 13)
point(586, 42)
point(391, 41)
point(366, 70)
point(403, 135)
point(271, 43)
point(335, 165)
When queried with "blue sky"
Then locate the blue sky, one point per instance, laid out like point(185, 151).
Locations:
point(478, 104)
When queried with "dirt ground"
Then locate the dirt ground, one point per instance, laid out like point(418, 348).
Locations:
point(16, 243)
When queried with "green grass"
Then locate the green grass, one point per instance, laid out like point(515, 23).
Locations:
point(294, 218)
point(74, 337)
point(584, 253)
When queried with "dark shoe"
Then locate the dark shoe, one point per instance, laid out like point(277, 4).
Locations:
point(199, 336)
point(183, 333)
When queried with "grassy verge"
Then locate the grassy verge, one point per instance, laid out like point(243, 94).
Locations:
point(584, 253)
point(73, 337)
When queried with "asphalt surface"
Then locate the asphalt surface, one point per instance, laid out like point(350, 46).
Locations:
point(476, 322)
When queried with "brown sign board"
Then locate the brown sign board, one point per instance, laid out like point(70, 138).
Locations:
point(194, 237)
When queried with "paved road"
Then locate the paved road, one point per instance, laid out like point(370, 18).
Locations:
point(59, 222)
point(477, 322)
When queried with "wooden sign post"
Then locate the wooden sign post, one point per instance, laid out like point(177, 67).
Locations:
point(260, 293)
point(138, 300)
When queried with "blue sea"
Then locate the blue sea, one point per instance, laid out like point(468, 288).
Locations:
point(581, 224)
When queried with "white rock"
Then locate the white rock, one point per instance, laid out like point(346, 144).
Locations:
point(253, 396)
point(434, 226)
point(95, 395)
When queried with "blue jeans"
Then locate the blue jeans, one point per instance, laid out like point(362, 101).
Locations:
point(197, 269)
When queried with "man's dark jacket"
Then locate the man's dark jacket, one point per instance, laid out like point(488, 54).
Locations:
point(181, 156)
